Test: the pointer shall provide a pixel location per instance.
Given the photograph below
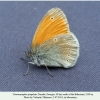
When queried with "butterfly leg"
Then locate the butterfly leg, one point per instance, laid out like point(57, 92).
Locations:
point(27, 70)
point(48, 71)
point(28, 66)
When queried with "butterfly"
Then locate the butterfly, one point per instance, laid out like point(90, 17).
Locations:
point(53, 44)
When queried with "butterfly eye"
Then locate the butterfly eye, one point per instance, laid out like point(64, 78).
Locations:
point(51, 18)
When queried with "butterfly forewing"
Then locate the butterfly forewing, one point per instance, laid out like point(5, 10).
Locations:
point(53, 23)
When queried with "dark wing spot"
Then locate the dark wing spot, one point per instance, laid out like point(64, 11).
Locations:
point(55, 39)
point(51, 18)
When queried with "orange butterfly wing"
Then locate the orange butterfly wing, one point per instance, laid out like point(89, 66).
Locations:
point(53, 23)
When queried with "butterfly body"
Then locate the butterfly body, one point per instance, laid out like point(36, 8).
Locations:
point(53, 44)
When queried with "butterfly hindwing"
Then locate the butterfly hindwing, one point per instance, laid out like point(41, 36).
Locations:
point(62, 50)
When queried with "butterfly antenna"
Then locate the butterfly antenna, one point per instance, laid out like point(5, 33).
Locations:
point(23, 59)
point(48, 71)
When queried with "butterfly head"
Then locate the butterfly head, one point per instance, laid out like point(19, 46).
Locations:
point(33, 57)
point(28, 54)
